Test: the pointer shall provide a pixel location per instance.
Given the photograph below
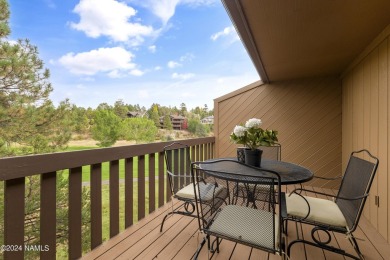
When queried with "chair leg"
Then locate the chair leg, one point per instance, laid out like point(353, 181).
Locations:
point(162, 223)
point(201, 246)
point(329, 248)
point(355, 245)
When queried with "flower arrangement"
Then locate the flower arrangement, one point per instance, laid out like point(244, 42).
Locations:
point(251, 135)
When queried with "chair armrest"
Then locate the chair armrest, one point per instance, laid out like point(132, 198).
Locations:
point(330, 195)
point(311, 191)
point(326, 178)
point(179, 176)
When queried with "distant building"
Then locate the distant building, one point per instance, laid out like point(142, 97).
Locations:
point(133, 114)
point(178, 122)
point(208, 120)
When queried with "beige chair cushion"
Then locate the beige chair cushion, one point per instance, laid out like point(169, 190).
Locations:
point(206, 189)
point(321, 210)
point(249, 225)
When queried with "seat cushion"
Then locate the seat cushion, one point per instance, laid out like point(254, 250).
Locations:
point(249, 225)
point(207, 190)
point(321, 210)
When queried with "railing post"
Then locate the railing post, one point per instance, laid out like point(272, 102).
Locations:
point(141, 187)
point(129, 188)
point(14, 218)
point(48, 215)
point(96, 205)
point(74, 219)
point(152, 182)
point(114, 198)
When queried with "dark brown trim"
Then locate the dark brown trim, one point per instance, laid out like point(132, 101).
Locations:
point(16, 167)
point(96, 205)
point(114, 198)
point(237, 16)
point(75, 241)
point(48, 215)
point(129, 197)
point(14, 218)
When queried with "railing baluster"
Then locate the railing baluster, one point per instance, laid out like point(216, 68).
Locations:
point(75, 177)
point(129, 192)
point(201, 152)
point(141, 187)
point(15, 170)
point(48, 215)
point(168, 184)
point(161, 176)
point(152, 183)
point(176, 180)
point(14, 217)
point(114, 198)
point(96, 205)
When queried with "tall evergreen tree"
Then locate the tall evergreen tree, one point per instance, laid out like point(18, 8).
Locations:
point(27, 115)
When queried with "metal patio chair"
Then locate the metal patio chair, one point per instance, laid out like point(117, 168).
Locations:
point(178, 165)
point(341, 215)
point(273, 152)
point(229, 216)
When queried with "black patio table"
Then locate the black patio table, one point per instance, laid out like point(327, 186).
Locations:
point(289, 173)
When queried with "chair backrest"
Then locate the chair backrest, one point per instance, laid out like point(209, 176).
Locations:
point(178, 163)
point(356, 182)
point(273, 152)
point(233, 193)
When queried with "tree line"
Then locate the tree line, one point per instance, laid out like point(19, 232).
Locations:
point(30, 123)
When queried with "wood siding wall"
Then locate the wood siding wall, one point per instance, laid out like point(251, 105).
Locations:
point(366, 116)
point(307, 114)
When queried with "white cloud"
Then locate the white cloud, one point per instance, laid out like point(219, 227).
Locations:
point(110, 18)
point(152, 48)
point(111, 60)
point(184, 76)
point(165, 9)
point(137, 72)
point(157, 68)
point(173, 64)
point(227, 32)
point(187, 57)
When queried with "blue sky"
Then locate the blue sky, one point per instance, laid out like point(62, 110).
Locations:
point(140, 51)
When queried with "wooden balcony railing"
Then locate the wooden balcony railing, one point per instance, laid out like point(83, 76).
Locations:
point(15, 170)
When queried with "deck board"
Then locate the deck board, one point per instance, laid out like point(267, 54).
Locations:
point(180, 239)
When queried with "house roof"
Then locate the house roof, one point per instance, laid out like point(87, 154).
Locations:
point(305, 38)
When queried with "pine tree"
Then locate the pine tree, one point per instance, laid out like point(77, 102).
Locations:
point(27, 115)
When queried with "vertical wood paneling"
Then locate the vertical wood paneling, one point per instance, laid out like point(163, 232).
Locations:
point(383, 144)
point(366, 118)
point(388, 134)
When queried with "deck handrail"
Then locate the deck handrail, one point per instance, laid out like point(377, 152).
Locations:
point(14, 170)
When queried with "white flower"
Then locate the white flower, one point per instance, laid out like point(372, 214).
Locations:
point(239, 131)
point(253, 122)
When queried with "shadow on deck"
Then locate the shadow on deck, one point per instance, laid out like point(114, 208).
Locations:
point(180, 239)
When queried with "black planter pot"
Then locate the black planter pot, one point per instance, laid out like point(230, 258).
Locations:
point(253, 157)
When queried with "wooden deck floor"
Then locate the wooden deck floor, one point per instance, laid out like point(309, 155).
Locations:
point(180, 239)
